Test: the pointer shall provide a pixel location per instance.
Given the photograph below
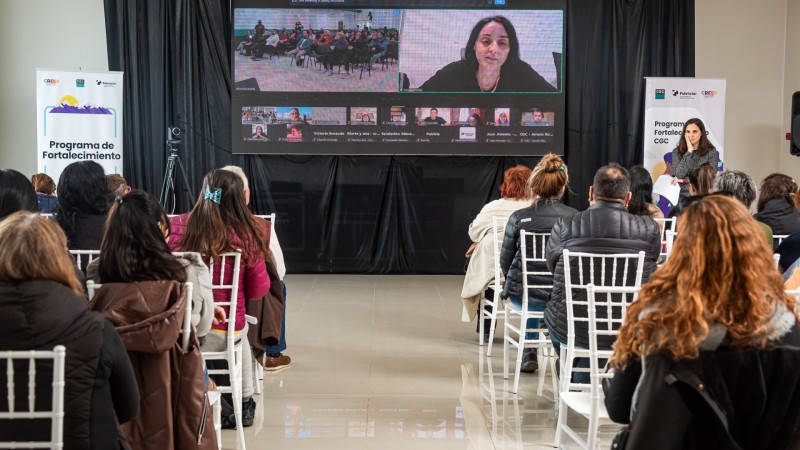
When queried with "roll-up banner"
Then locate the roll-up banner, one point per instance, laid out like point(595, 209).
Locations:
point(669, 103)
point(79, 117)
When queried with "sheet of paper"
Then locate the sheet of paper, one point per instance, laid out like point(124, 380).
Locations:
point(664, 187)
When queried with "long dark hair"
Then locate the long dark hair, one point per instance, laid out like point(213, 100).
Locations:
point(513, 54)
point(641, 191)
point(703, 147)
point(134, 247)
point(210, 224)
point(82, 189)
point(16, 193)
point(776, 185)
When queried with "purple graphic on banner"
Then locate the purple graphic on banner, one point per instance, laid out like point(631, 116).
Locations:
point(68, 109)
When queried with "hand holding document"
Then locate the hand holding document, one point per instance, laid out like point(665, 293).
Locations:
point(664, 187)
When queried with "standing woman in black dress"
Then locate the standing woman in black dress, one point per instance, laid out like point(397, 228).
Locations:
point(693, 151)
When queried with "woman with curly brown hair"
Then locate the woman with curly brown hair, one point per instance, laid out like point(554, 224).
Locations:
point(705, 324)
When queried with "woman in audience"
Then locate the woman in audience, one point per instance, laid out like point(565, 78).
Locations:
point(117, 186)
point(143, 296)
point(491, 64)
point(480, 272)
point(641, 203)
point(547, 184)
point(43, 306)
point(701, 182)
point(221, 222)
point(742, 188)
point(693, 150)
point(776, 204)
point(16, 193)
point(143, 224)
point(82, 204)
point(45, 192)
point(706, 318)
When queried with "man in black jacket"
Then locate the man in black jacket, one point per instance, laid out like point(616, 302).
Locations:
point(605, 227)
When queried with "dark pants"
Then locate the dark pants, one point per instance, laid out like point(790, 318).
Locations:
point(582, 363)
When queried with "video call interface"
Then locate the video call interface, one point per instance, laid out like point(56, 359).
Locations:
point(347, 76)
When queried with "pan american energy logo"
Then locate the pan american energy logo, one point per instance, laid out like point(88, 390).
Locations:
point(69, 105)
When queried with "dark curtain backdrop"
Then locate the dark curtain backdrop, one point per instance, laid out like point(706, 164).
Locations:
point(378, 214)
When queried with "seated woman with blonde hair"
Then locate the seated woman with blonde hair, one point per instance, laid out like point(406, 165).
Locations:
point(44, 306)
point(707, 356)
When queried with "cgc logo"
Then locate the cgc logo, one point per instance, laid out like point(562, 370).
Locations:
point(660, 93)
point(51, 81)
point(79, 82)
point(709, 94)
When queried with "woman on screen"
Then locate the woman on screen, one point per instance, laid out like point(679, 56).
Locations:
point(491, 64)
point(475, 120)
point(259, 134)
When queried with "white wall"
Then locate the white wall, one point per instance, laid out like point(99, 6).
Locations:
point(790, 165)
point(50, 34)
point(743, 41)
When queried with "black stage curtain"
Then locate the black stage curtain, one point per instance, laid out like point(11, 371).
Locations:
point(378, 214)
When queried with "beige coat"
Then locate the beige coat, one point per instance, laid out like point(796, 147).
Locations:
point(480, 272)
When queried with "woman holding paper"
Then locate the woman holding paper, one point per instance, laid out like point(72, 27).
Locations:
point(693, 151)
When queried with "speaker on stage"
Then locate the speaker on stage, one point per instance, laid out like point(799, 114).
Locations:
point(794, 143)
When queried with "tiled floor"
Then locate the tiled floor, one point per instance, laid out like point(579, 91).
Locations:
point(384, 362)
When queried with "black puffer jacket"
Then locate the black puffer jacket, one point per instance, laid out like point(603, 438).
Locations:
point(537, 218)
point(100, 387)
point(603, 228)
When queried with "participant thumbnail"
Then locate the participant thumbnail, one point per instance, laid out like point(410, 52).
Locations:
point(433, 116)
point(259, 133)
point(502, 117)
point(363, 116)
point(329, 116)
point(518, 52)
point(315, 50)
point(290, 114)
point(537, 118)
point(257, 114)
point(396, 115)
point(472, 117)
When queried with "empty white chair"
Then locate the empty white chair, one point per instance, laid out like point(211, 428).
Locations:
point(56, 412)
point(532, 251)
point(492, 308)
point(613, 303)
point(602, 270)
point(84, 257)
point(233, 351)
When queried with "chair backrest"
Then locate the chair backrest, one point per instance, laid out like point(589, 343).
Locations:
point(665, 224)
point(92, 288)
point(669, 241)
point(607, 298)
point(777, 239)
point(270, 217)
point(498, 228)
point(600, 270)
point(84, 257)
point(532, 251)
point(218, 283)
point(56, 412)
point(186, 332)
point(776, 258)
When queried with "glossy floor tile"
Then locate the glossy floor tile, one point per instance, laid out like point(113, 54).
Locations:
point(384, 362)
